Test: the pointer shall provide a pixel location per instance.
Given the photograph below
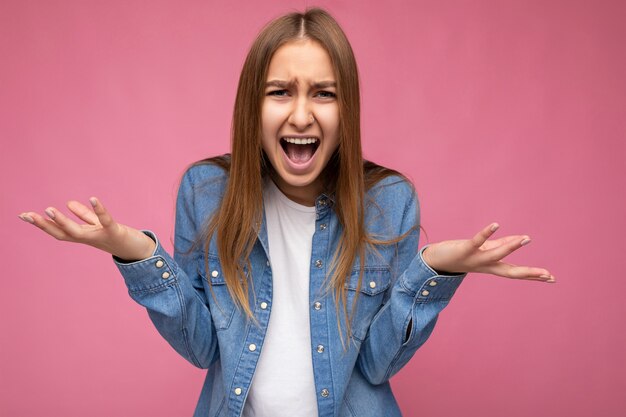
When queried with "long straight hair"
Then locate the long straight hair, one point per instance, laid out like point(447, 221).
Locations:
point(239, 216)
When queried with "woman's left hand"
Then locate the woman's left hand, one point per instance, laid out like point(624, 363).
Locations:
point(482, 255)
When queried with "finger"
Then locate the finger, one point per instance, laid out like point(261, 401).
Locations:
point(494, 243)
point(506, 270)
point(103, 215)
point(47, 225)
point(82, 212)
point(500, 252)
point(69, 226)
point(484, 234)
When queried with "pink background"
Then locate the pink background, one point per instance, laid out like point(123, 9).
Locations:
point(508, 111)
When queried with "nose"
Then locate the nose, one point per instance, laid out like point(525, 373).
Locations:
point(301, 116)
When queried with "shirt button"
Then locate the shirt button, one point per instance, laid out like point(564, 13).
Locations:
point(317, 305)
point(165, 275)
point(425, 293)
point(320, 349)
point(267, 263)
point(372, 284)
point(323, 202)
point(325, 393)
point(252, 347)
point(214, 274)
point(323, 226)
point(263, 305)
point(432, 283)
point(237, 391)
point(159, 264)
point(319, 263)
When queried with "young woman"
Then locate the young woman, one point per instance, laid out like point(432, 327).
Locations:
point(297, 280)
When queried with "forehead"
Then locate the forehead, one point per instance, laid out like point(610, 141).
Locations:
point(303, 59)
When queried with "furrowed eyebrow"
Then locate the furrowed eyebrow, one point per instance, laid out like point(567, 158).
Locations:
point(285, 84)
point(324, 84)
point(278, 83)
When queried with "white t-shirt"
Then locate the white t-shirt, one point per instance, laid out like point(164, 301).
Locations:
point(283, 383)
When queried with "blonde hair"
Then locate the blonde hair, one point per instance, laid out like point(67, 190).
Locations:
point(237, 224)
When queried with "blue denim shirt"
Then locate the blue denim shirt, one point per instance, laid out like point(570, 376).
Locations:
point(399, 301)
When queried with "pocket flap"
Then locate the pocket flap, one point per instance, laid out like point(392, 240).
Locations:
point(215, 275)
point(374, 280)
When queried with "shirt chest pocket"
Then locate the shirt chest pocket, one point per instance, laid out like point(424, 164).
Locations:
point(368, 295)
point(220, 302)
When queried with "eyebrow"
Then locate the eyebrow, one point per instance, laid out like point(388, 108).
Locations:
point(285, 84)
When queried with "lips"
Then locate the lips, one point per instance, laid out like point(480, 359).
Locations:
point(299, 151)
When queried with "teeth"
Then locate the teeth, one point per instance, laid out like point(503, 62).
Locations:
point(301, 141)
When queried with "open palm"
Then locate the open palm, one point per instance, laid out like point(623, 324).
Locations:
point(480, 254)
point(98, 230)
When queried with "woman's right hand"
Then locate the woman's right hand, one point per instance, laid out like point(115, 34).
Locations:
point(99, 230)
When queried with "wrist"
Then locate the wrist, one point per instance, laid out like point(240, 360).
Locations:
point(150, 246)
point(143, 248)
point(427, 256)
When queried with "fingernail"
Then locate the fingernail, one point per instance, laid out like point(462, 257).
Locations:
point(551, 280)
point(49, 212)
point(26, 218)
point(525, 242)
point(545, 276)
point(495, 227)
point(93, 201)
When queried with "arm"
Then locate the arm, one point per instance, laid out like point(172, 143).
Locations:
point(175, 303)
point(417, 296)
point(170, 289)
point(408, 317)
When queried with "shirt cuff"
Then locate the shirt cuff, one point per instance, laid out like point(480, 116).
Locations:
point(156, 271)
point(426, 284)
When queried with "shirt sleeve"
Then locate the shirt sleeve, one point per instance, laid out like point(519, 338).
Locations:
point(406, 320)
point(171, 289)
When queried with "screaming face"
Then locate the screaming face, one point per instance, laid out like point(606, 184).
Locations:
point(300, 117)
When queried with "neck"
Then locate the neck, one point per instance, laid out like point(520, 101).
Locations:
point(302, 195)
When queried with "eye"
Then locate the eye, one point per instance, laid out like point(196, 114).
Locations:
point(327, 94)
point(278, 93)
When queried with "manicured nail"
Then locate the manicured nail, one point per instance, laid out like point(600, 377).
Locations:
point(49, 212)
point(495, 227)
point(525, 242)
point(93, 201)
point(545, 276)
point(26, 218)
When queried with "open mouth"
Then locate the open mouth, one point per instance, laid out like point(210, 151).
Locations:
point(299, 150)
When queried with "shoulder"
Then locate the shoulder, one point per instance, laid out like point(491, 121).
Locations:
point(201, 188)
point(391, 205)
point(393, 193)
point(393, 183)
point(208, 175)
point(381, 181)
